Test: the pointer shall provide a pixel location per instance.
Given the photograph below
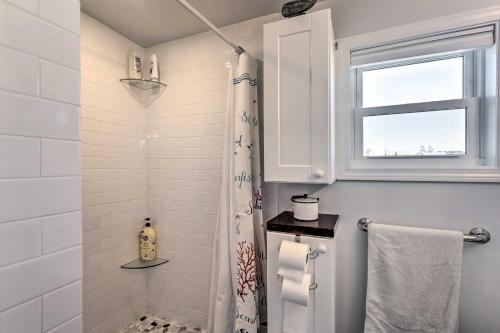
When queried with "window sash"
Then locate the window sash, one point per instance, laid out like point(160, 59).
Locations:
point(471, 157)
point(468, 71)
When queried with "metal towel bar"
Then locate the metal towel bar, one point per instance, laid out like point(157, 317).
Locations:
point(476, 235)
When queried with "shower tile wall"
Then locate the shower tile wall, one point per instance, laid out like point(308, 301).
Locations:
point(40, 219)
point(184, 158)
point(114, 174)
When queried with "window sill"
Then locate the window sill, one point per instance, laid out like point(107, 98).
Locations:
point(462, 176)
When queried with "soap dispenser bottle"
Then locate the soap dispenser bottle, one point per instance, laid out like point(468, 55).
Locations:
point(147, 242)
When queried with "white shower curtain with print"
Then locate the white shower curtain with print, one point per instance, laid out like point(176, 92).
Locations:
point(237, 296)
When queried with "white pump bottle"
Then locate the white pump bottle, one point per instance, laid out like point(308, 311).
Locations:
point(154, 73)
point(147, 242)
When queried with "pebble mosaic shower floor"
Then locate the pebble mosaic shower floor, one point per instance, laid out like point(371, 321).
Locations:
point(156, 324)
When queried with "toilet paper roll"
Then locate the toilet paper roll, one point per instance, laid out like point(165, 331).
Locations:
point(293, 255)
point(296, 292)
point(293, 260)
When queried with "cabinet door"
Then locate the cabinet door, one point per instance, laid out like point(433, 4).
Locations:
point(297, 100)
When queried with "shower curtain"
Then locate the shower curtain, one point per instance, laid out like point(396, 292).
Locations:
point(237, 296)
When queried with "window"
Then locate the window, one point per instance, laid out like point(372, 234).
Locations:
point(421, 107)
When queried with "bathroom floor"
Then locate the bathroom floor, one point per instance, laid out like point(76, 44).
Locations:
point(157, 324)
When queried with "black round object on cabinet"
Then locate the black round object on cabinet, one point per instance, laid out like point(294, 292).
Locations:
point(297, 7)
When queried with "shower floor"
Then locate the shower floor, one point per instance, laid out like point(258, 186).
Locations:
point(157, 324)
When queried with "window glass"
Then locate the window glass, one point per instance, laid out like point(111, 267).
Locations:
point(429, 81)
point(431, 133)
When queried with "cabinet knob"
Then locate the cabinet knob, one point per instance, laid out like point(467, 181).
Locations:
point(322, 248)
point(319, 174)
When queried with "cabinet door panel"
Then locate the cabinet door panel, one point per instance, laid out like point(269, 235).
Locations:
point(294, 108)
point(287, 77)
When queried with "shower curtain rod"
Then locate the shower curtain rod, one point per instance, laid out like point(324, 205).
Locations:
point(203, 19)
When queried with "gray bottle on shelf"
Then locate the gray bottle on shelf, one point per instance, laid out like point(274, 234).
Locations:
point(134, 65)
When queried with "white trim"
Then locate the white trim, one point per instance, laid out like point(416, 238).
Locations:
point(345, 103)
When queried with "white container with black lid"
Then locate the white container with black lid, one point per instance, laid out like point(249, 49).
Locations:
point(305, 208)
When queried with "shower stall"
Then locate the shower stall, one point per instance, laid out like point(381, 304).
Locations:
point(159, 153)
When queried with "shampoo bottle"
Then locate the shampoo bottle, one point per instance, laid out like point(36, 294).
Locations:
point(147, 242)
point(134, 65)
point(154, 73)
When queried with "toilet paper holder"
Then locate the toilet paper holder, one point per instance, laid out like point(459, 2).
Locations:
point(312, 286)
point(312, 255)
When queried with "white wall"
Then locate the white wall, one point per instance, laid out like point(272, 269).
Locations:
point(352, 17)
point(114, 178)
point(40, 219)
point(186, 127)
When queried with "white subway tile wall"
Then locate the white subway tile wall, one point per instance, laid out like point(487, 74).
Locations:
point(39, 100)
point(25, 232)
point(61, 231)
point(61, 305)
point(72, 326)
point(15, 319)
point(114, 181)
point(60, 158)
point(20, 157)
point(18, 71)
point(184, 159)
point(58, 83)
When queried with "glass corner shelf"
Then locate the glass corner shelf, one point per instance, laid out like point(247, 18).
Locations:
point(143, 84)
point(141, 264)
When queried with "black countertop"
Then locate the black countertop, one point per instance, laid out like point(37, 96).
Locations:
point(324, 226)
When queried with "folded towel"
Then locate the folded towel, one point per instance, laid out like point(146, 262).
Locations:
point(413, 279)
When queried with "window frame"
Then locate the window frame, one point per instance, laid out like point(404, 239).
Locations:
point(471, 167)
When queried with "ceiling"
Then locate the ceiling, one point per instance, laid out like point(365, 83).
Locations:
point(152, 22)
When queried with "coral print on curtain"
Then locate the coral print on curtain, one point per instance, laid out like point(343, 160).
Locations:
point(250, 249)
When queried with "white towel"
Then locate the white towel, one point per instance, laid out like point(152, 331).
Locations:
point(413, 280)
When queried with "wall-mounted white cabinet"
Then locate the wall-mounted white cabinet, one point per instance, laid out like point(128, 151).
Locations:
point(298, 99)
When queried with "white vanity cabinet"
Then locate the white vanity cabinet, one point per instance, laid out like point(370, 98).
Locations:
point(298, 99)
